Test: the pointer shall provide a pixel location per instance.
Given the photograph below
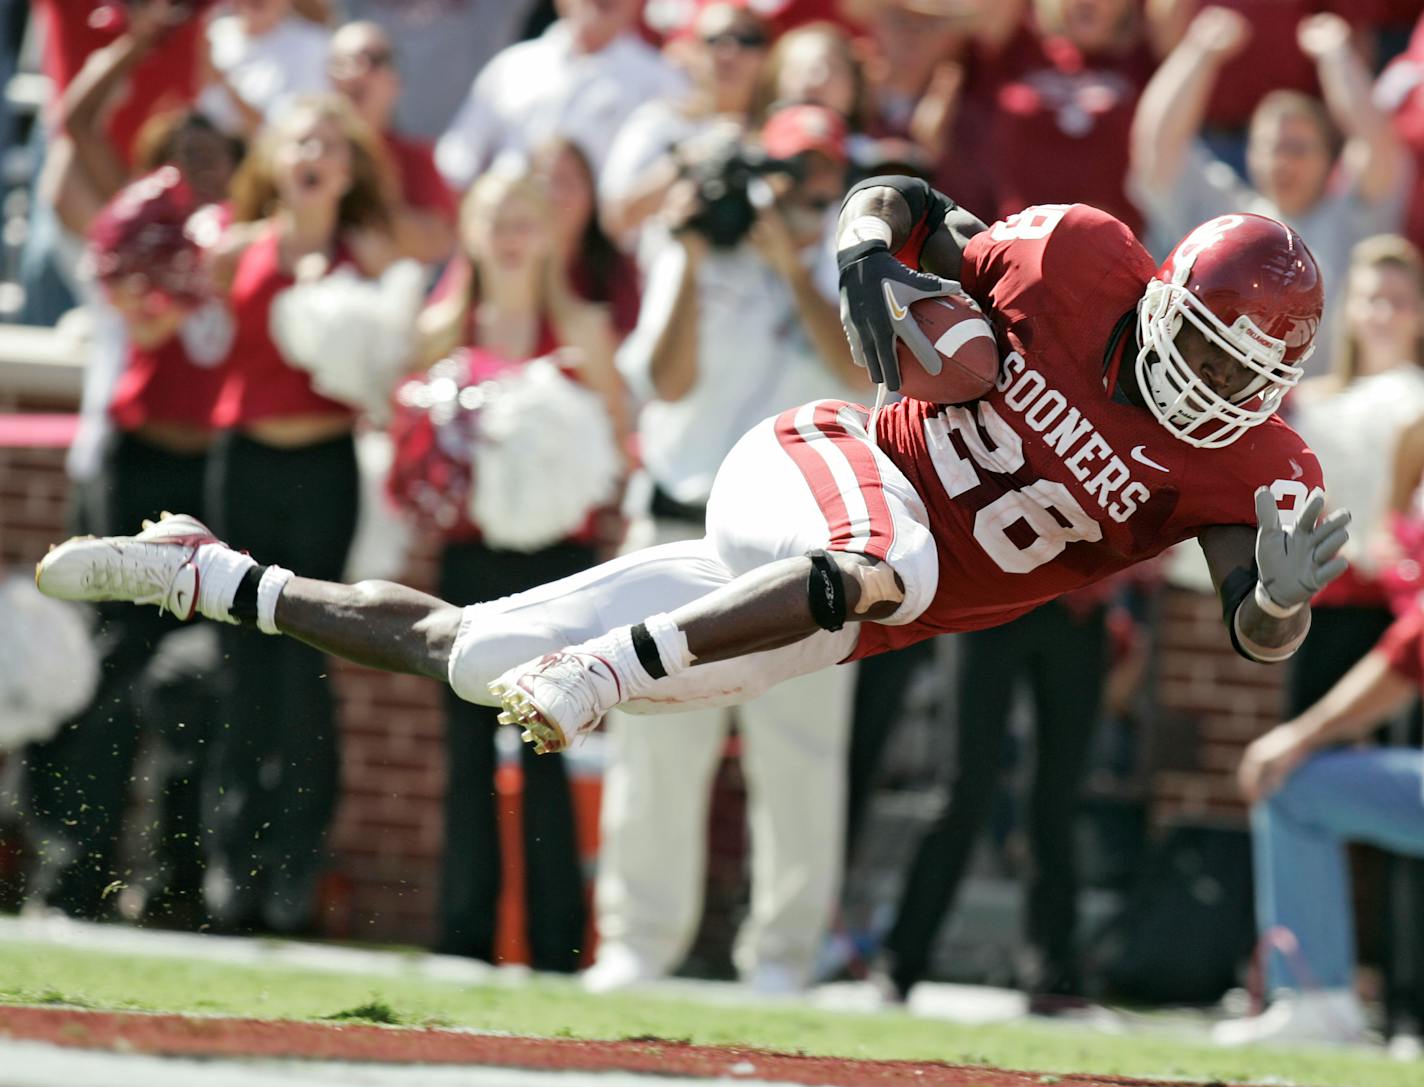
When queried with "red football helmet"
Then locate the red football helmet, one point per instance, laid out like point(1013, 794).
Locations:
point(1251, 286)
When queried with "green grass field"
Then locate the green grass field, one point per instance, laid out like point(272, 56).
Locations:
point(52, 974)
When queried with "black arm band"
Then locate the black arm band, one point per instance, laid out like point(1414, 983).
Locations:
point(825, 591)
point(1238, 585)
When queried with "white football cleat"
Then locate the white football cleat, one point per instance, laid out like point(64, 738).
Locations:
point(154, 567)
point(557, 698)
point(1327, 1016)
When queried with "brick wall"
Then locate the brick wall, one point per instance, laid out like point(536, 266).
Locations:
point(33, 487)
point(1209, 703)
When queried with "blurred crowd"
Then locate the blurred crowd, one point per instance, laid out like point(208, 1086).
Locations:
point(396, 235)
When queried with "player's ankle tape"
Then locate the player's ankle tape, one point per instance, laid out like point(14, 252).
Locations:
point(244, 604)
point(269, 590)
point(647, 651)
point(661, 647)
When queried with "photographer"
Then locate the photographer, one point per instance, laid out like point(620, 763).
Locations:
point(737, 324)
point(723, 54)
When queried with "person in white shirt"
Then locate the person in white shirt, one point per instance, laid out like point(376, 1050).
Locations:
point(732, 330)
point(263, 55)
point(580, 79)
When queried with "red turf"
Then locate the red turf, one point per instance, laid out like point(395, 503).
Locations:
point(193, 1036)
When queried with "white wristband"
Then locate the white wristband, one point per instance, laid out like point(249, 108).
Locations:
point(274, 580)
point(1270, 607)
point(864, 228)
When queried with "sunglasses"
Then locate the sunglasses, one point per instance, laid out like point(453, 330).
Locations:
point(368, 61)
point(743, 39)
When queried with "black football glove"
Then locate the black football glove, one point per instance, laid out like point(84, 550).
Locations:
point(876, 292)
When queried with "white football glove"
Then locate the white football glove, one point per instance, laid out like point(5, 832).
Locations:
point(1296, 563)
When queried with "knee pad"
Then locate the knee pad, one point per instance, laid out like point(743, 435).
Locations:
point(826, 589)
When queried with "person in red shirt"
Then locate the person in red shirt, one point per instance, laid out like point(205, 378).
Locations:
point(362, 67)
point(1062, 89)
point(312, 200)
point(1134, 409)
point(151, 273)
point(163, 37)
point(516, 306)
point(92, 166)
point(166, 78)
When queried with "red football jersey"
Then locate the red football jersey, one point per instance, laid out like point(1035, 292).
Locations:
point(1052, 482)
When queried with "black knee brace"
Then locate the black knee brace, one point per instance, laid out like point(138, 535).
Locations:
point(825, 591)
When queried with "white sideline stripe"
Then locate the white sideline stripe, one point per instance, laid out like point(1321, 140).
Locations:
point(956, 336)
point(35, 1064)
point(841, 473)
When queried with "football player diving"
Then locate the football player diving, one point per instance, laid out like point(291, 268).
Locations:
point(1134, 409)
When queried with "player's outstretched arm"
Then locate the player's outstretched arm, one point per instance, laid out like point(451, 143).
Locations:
point(1267, 603)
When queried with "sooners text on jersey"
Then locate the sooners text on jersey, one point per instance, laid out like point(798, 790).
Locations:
point(1050, 482)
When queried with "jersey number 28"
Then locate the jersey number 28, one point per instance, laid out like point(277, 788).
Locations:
point(1048, 508)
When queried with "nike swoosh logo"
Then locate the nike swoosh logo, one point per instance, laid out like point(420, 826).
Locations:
point(1142, 458)
point(897, 311)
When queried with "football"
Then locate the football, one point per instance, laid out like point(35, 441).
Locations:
point(966, 345)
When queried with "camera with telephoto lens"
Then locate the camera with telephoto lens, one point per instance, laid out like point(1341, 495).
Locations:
point(727, 178)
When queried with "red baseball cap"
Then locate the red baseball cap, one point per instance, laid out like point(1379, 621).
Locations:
point(793, 130)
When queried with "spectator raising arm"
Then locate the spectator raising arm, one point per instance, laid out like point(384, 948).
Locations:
point(1174, 101)
point(93, 168)
point(1373, 155)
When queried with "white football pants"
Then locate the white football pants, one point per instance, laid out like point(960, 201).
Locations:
point(808, 478)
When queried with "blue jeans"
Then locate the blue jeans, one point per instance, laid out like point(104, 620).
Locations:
point(1368, 795)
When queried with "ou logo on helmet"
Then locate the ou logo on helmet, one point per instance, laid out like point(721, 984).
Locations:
point(1200, 240)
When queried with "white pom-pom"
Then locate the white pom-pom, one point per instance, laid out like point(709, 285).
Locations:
point(353, 335)
point(48, 667)
point(544, 457)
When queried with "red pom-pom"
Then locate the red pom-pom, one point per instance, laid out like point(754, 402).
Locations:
point(140, 238)
point(968, 351)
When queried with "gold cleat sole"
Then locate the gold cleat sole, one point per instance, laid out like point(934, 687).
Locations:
point(520, 711)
